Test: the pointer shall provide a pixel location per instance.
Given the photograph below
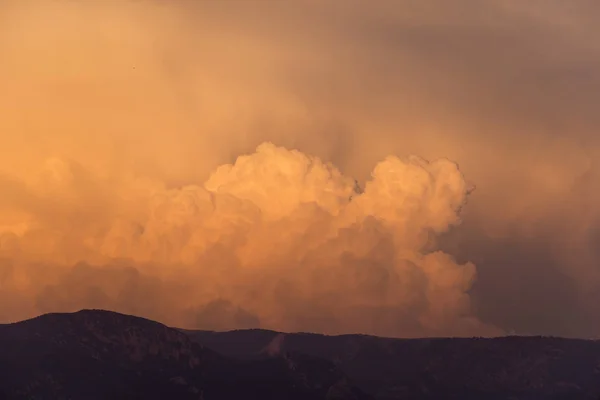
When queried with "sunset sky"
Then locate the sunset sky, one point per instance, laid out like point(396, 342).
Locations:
point(392, 167)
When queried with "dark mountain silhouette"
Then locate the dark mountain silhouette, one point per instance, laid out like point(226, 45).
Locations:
point(96, 354)
point(524, 368)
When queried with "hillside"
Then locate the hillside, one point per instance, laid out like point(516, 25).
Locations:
point(96, 354)
point(530, 368)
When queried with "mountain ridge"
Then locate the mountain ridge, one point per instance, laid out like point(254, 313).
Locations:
point(98, 354)
point(518, 367)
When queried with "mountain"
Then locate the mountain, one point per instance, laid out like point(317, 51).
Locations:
point(524, 368)
point(95, 354)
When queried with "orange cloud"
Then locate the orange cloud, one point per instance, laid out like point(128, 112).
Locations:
point(278, 239)
point(131, 147)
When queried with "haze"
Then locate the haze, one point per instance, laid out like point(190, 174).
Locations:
point(303, 165)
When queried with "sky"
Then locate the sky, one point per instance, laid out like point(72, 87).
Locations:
point(394, 167)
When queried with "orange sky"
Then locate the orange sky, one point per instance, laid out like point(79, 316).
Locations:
point(197, 162)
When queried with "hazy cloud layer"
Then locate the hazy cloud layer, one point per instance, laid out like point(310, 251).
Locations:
point(134, 176)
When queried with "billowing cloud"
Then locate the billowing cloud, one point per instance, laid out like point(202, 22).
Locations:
point(249, 163)
point(278, 239)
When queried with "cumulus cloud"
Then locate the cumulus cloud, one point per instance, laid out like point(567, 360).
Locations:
point(137, 170)
point(279, 239)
